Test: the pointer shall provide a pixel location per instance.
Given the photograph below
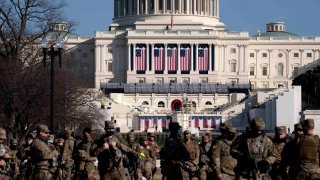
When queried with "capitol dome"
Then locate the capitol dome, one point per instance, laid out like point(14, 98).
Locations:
point(162, 14)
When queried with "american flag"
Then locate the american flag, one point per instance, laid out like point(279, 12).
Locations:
point(140, 59)
point(185, 59)
point(203, 59)
point(172, 58)
point(158, 59)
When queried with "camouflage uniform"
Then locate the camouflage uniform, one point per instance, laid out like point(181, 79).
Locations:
point(66, 159)
point(154, 148)
point(223, 164)
point(145, 167)
point(205, 150)
point(41, 155)
point(279, 142)
point(4, 156)
point(190, 156)
point(171, 154)
point(255, 152)
point(24, 155)
point(108, 150)
point(84, 161)
point(14, 163)
point(289, 160)
point(132, 161)
point(308, 148)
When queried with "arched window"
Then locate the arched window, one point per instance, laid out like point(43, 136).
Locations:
point(194, 104)
point(280, 69)
point(145, 103)
point(161, 104)
point(208, 103)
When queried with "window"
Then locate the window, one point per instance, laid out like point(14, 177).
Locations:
point(280, 69)
point(309, 55)
point(159, 80)
point(264, 55)
point(172, 80)
point(233, 67)
point(203, 80)
point(264, 71)
point(295, 55)
point(141, 80)
point(145, 103)
point(185, 80)
point(194, 104)
point(109, 67)
point(233, 50)
point(252, 55)
point(265, 85)
point(251, 71)
point(208, 103)
point(161, 104)
point(295, 70)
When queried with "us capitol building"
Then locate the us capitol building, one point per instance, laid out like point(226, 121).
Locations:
point(164, 60)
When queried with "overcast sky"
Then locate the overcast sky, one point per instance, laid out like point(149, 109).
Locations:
point(302, 17)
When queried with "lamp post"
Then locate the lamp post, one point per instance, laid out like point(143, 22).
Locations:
point(53, 51)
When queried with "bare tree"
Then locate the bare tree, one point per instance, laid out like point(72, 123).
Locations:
point(24, 83)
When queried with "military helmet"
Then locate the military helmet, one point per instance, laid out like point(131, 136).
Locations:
point(3, 134)
point(174, 126)
point(231, 129)
point(43, 128)
point(109, 124)
point(298, 127)
point(308, 123)
point(257, 123)
point(281, 129)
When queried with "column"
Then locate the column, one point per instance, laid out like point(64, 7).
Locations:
point(191, 58)
point(147, 58)
point(165, 59)
point(155, 6)
point(269, 65)
point(245, 62)
point(188, 7)
point(240, 58)
point(225, 57)
point(138, 7)
point(164, 7)
point(216, 58)
point(97, 57)
point(129, 57)
point(210, 7)
point(134, 58)
point(101, 57)
point(173, 7)
point(257, 63)
point(180, 6)
point(287, 63)
point(146, 6)
point(178, 64)
point(301, 53)
point(210, 58)
point(196, 58)
point(217, 8)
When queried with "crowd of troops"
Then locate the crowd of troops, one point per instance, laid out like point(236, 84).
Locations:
point(250, 155)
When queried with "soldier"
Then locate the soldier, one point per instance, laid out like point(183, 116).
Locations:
point(66, 158)
point(25, 158)
point(289, 154)
point(14, 162)
point(204, 157)
point(109, 150)
point(279, 142)
point(133, 161)
point(85, 167)
point(190, 156)
point(154, 148)
point(145, 167)
point(41, 154)
point(254, 152)
point(60, 173)
point(223, 163)
point(308, 148)
point(171, 154)
point(4, 156)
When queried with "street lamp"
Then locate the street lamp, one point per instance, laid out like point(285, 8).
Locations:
point(53, 51)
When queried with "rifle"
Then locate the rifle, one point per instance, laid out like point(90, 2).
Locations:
point(252, 164)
